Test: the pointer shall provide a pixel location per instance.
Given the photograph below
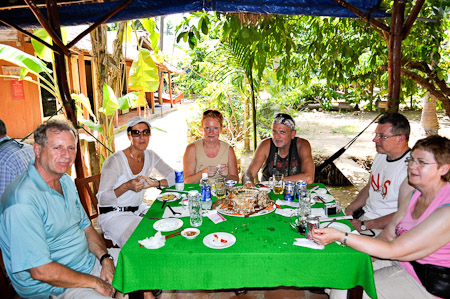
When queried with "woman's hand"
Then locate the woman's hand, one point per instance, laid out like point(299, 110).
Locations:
point(223, 170)
point(150, 183)
point(325, 236)
point(136, 184)
point(212, 170)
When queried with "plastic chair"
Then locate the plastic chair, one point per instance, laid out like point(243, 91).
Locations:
point(87, 190)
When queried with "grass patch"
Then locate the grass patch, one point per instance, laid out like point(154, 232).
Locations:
point(345, 130)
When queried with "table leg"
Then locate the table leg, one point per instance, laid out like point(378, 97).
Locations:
point(355, 293)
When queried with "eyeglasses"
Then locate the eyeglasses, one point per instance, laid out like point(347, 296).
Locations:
point(137, 133)
point(410, 161)
point(383, 137)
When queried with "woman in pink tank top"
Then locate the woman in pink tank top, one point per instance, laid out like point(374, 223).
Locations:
point(418, 236)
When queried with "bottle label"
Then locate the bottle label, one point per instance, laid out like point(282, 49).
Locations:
point(179, 176)
point(206, 193)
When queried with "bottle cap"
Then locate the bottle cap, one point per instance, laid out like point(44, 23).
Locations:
point(204, 175)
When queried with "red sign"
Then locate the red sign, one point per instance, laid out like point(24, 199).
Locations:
point(17, 90)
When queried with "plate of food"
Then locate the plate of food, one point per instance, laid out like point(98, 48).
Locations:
point(168, 224)
point(190, 233)
point(246, 202)
point(168, 196)
point(337, 225)
point(219, 240)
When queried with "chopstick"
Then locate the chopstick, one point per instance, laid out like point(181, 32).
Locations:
point(177, 233)
point(330, 223)
point(254, 212)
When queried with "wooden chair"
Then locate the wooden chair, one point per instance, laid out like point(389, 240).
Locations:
point(6, 288)
point(87, 189)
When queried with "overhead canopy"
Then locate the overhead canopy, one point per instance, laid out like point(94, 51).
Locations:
point(76, 12)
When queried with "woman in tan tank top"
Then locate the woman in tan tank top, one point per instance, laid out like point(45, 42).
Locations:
point(209, 154)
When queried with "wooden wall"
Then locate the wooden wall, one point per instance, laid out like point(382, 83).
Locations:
point(21, 116)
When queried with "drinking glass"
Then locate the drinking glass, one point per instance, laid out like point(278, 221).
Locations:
point(278, 183)
point(220, 188)
point(195, 208)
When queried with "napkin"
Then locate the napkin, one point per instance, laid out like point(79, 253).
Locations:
point(307, 243)
point(285, 212)
point(318, 212)
point(183, 210)
point(155, 242)
point(281, 202)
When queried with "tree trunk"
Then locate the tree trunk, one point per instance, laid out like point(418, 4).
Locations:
point(100, 61)
point(429, 121)
point(246, 124)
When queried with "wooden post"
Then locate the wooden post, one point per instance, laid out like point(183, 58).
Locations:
point(61, 77)
point(395, 55)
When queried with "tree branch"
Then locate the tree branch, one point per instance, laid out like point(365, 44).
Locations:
point(364, 16)
point(412, 18)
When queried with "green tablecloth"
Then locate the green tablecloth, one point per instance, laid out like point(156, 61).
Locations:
point(263, 256)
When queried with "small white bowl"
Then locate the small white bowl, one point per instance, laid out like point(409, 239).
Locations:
point(321, 191)
point(190, 233)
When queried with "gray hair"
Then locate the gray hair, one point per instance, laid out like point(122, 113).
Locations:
point(40, 134)
point(2, 128)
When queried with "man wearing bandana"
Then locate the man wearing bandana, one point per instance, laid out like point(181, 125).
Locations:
point(282, 154)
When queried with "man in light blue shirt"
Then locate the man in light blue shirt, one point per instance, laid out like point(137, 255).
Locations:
point(49, 246)
point(14, 158)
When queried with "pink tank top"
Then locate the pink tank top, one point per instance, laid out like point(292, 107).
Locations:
point(440, 257)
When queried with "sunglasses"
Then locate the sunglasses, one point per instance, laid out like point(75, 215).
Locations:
point(137, 133)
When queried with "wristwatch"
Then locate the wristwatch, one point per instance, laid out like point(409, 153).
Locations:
point(363, 226)
point(106, 256)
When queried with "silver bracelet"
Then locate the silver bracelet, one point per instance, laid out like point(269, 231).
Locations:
point(344, 242)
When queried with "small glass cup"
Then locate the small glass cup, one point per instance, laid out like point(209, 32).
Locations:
point(298, 222)
point(195, 208)
point(278, 183)
point(221, 190)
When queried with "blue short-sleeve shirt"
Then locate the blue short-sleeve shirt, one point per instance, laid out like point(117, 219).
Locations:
point(39, 226)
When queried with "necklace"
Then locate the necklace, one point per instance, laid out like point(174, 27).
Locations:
point(131, 155)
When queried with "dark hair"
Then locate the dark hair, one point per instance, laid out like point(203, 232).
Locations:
point(400, 125)
point(214, 114)
point(440, 148)
point(40, 134)
point(2, 128)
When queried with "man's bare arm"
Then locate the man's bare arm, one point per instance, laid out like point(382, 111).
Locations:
point(98, 248)
point(261, 154)
point(360, 200)
point(306, 159)
point(61, 276)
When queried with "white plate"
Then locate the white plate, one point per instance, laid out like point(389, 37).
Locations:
point(265, 183)
point(337, 225)
point(264, 189)
point(260, 213)
point(219, 240)
point(164, 196)
point(168, 224)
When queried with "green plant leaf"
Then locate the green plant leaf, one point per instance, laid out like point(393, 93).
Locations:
point(110, 104)
point(144, 73)
point(128, 100)
point(93, 126)
point(42, 51)
point(22, 59)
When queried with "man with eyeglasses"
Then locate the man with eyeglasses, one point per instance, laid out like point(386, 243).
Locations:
point(14, 158)
point(282, 154)
point(377, 202)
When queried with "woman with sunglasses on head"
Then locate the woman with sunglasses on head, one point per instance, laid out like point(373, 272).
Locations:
point(125, 176)
point(209, 154)
point(417, 239)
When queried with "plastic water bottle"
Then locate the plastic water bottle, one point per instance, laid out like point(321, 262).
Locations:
point(179, 176)
point(205, 189)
